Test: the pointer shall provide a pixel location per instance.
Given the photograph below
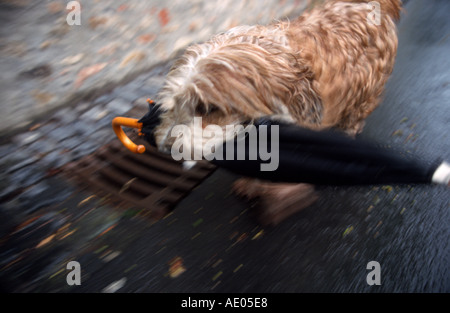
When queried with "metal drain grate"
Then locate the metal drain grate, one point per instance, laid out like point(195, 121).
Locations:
point(152, 182)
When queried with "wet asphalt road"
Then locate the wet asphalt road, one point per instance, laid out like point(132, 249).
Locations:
point(212, 243)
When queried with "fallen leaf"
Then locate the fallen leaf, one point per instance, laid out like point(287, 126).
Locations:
point(111, 256)
point(122, 8)
point(107, 230)
point(87, 72)
point(46, 44)
point(146, 38)
point(217, 263)
point(397, 133)
point(171, 28)
point(25, 224)
point(198, 210)
point(108, 49)
point(348, 231)
point(72, 59)
point(12, 262)
point(113, 287)
point(14, 48)
point(130, 268)
point(96, 21)
point(216, 284)
point(193, 26)
point(176, 267)
point(82, 202)
point(62, 229)
point(197, 222)
point(68, 234)
point(163, 16)
point(217, 275)
point(136, 56)
point(127, 185)
point(45, 241)
point(409, 137)
point(238, 268)
point(376, 200)
point(42, 97)
point(60, 29)
point(57, 273)
point(259, 234)
point(55, 7)
point(242, 237)
point(167, 215)
point(234, 234)
point(100, 249)
point(34, 127)
point(160, 250)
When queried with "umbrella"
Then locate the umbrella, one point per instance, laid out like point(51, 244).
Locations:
point(326, 157)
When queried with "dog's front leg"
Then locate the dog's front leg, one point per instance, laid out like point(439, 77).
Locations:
point(276, 201)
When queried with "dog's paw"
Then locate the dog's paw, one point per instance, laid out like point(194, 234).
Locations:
point(281, 201)
point(272, 212)
point(246, 188)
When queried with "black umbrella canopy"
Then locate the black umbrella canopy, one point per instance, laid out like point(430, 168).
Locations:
point(328, 158)
point(290, 153)
point(150, 121)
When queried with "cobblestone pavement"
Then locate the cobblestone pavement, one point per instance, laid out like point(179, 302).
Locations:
point(57, 103)
point(60, 88)
point(70, 133)
point(48, 64)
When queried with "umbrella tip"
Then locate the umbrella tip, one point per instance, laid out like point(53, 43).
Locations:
point(140, 149)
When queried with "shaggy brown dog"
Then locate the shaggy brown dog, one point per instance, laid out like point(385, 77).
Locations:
point(326, 69)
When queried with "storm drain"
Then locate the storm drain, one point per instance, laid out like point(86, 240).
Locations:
point(151, 182)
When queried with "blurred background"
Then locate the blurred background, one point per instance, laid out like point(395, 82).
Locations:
point(61, 86)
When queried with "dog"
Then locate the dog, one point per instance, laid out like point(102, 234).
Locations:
point(326, 69)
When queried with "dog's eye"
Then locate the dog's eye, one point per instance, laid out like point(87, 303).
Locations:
point(213, 109)
point(202, 110)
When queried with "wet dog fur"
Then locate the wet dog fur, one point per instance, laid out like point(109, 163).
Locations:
point(326, 69)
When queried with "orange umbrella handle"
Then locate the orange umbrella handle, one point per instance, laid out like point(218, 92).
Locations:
point(117, 124)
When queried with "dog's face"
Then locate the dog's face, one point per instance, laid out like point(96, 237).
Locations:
point(230, 81)
point(217, 90)
point(192, 114)
point(193, 105)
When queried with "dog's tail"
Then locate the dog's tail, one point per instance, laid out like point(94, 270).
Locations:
point(390, 7)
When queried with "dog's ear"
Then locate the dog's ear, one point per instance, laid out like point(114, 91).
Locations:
point(204, 108)
point(305, 103)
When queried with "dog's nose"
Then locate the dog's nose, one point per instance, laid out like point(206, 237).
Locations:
point(166, 145)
